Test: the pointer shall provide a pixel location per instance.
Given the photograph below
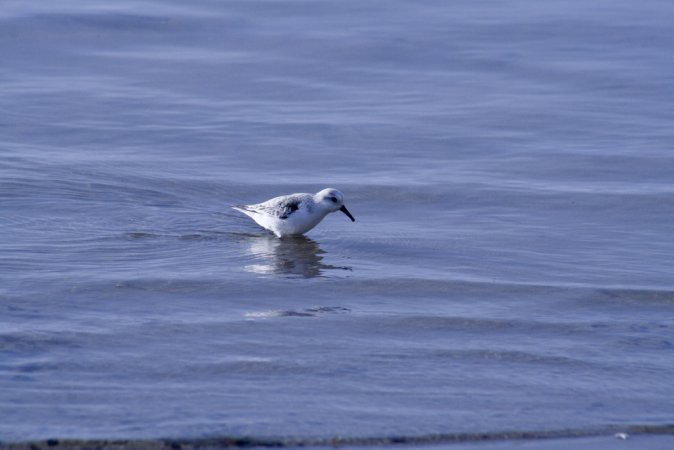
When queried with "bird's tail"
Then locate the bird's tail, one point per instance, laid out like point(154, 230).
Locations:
point(244, 209)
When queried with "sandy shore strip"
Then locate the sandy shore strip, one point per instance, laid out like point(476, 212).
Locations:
point(608, 434)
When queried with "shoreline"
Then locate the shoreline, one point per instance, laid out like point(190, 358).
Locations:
point(610, 434)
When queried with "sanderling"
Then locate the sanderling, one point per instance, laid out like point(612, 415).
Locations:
point(295, 213)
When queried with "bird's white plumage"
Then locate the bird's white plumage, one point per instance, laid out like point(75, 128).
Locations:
point(295, 213)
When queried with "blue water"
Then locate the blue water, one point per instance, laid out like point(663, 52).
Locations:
point(509, 165)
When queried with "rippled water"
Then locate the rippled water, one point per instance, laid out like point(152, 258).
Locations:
point(509, 165)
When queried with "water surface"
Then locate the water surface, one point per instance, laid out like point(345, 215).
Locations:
point(509, 165)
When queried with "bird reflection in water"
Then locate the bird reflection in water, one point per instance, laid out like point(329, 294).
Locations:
point(295, 256)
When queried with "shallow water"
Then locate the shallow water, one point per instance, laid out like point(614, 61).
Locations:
point(509, 166)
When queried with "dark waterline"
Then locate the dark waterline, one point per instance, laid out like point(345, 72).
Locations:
point(570, 437)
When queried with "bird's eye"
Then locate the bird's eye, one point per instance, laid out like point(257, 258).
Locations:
point(334, 199)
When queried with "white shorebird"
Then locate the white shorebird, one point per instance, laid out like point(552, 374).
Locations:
point(295, 213)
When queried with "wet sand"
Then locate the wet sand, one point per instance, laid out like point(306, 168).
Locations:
point(629, 437)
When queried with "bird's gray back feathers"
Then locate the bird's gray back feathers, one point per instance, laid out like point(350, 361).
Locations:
point(281, 207)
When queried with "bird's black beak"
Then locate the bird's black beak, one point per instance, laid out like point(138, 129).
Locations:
point(346, 211)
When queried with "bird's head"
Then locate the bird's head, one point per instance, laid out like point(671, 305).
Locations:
point(333, 200)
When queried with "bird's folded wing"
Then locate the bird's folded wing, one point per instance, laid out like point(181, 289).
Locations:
point(282, 208)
